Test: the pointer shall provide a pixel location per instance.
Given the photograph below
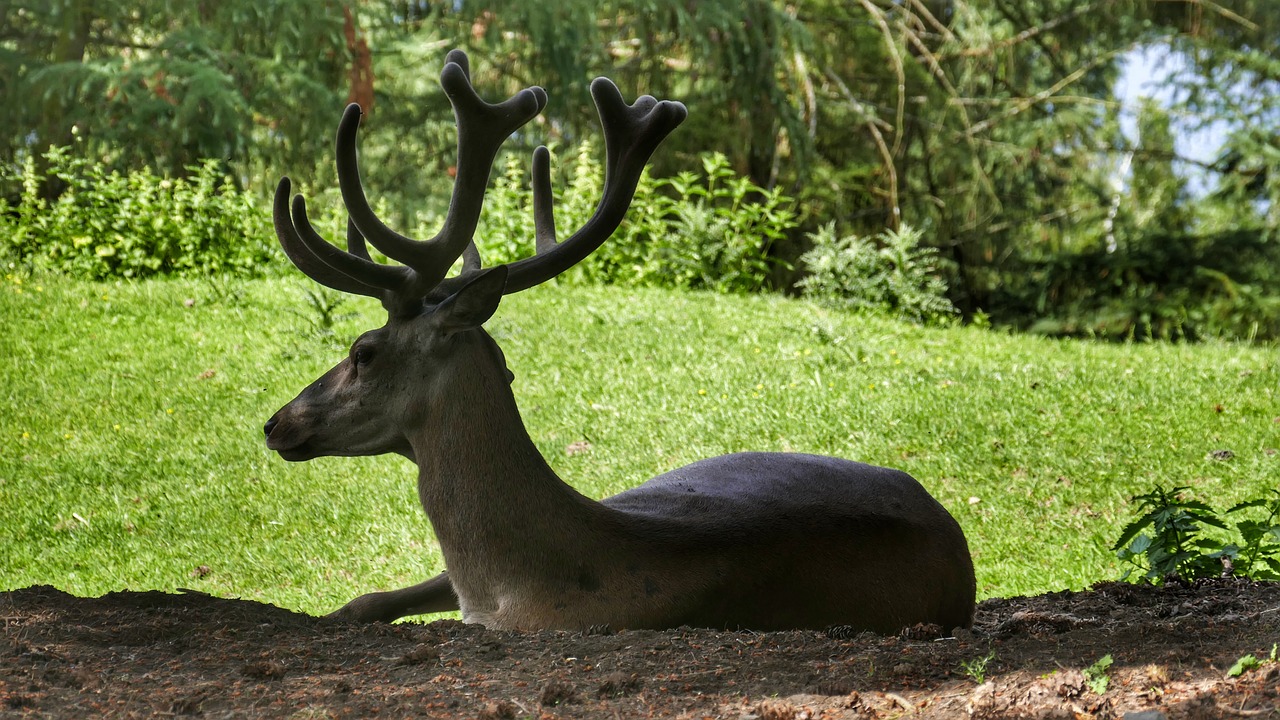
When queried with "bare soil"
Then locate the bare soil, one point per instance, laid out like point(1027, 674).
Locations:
point(156, 654)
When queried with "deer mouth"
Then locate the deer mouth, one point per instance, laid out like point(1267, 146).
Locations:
point(297, 453)
point(292, 453)
point(288, 444)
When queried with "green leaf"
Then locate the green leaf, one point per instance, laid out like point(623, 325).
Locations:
point(1133, 529)
point(1257, 502)
point(1243, 665)
point(1096, 675)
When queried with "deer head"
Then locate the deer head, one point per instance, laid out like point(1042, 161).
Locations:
point(432, 338)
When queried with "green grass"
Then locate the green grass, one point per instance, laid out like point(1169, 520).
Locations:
point(131, 415)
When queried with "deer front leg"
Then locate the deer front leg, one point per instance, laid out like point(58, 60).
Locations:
point(433, 596)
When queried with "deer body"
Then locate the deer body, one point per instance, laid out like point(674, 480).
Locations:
point(754, 540)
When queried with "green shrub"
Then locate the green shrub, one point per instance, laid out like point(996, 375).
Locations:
point(109, 225)
point(895, 274)
point(711, 230)
point(1168, 540)
point(1156, 286)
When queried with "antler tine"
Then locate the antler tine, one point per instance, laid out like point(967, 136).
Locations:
point(482, 128)
point(471, 258)
point(355, 241)
point(300, 253)
point(387, 278)
point(632, 133)
point(544, 218)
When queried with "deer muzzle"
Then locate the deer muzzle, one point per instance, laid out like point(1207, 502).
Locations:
point(283, 437)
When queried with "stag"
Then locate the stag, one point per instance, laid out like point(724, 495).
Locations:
point(760, 541)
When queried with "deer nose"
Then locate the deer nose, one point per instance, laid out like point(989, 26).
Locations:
point(266, 429)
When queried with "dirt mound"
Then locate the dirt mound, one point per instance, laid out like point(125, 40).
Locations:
point(151, 653)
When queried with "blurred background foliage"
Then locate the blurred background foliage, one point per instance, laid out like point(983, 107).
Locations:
point(989, 135)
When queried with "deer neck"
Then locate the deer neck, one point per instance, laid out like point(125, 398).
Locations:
point(490, 495)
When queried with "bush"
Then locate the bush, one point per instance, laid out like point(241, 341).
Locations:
point(895, 275)
point(1168, 540)
point(108, 225)
point(1157, 286)
point(712, 230)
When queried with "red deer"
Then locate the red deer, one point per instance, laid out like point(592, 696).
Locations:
point(760, 541)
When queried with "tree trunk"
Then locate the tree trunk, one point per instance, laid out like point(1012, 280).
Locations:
point(54, 130)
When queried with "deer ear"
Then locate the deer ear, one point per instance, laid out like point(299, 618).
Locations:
point(473, 303)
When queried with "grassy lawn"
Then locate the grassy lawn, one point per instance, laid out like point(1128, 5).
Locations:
point(131, 415)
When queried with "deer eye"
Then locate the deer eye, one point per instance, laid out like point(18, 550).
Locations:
point(362, 355)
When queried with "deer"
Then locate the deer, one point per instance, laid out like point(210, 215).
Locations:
point(753, 540)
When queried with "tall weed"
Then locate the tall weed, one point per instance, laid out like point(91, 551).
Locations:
point(1168, 540)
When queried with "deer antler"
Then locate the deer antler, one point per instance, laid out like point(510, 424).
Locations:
point(632, 133)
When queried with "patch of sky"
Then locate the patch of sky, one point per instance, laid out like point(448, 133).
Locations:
point(1155, 72)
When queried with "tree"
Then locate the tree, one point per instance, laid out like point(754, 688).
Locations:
point(990, 126)
point(1158, 201)
point(161, 84)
